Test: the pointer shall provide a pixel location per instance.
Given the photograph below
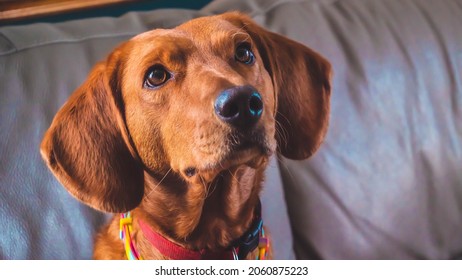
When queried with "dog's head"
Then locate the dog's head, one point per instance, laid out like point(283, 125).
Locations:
point(214, 93)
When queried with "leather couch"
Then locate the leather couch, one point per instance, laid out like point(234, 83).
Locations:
point(386, 183)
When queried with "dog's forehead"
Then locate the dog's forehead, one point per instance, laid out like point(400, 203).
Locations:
point(205, 27)
point(204, 34)
point(156, 33)
point(196, 29)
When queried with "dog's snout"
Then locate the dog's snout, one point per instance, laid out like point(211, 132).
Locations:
point(241, 106)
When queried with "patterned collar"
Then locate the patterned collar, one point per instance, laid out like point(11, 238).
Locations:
point(254, 238)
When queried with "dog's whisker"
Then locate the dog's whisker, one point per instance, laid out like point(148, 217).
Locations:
point(204, 184)
point(158, 184)
point(284, 165)
point(234, 139)
point(232, 175)
point(282, 133)
point(214, 188)
point(241, 31)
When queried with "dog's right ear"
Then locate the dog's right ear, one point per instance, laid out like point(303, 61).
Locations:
point(87, 145)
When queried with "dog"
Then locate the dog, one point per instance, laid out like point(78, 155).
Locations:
point(173, 132)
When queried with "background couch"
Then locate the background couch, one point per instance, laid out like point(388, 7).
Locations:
point(386, 184)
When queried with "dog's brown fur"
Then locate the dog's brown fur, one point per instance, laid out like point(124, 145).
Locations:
point(119, 146)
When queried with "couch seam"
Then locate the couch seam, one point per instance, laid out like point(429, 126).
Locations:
point(282, 2)
point(8, 41)
point(66, 41)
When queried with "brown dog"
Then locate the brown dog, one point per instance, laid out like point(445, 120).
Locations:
point(177, 126)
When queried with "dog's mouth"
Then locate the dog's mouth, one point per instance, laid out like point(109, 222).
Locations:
point(251, 154)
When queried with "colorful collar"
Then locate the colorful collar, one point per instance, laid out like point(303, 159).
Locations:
point(125, 234)
point(254, 238)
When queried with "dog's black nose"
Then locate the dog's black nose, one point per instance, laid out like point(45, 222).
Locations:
point(240, 106)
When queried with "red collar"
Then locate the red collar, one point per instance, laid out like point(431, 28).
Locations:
point(246, 244)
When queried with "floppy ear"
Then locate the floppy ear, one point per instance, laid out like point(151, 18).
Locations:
point(86, 147)
point(302, 83)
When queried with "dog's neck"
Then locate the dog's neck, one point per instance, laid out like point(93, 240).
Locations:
point(209, 216)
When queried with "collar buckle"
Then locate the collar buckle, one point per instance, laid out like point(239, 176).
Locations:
point(251, 241)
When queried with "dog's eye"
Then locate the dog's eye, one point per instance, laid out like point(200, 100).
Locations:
point(244, 54)
point(156, 76)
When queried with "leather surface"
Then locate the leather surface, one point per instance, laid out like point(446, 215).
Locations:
point(386, 184)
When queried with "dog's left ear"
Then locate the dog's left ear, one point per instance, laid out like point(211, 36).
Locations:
point(87, 146)
point(302, 83)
